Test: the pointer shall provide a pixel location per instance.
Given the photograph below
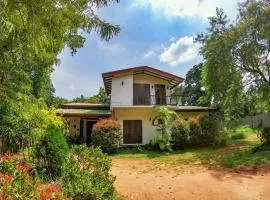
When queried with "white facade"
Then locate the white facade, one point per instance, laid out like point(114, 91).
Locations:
point(122, 88)
point(122, 91)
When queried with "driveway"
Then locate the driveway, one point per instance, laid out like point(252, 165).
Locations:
point(145, 179)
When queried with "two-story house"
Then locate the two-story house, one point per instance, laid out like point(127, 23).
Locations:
point(134, 94)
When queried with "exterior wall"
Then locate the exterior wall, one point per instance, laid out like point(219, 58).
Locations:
point(144, 114)
point(122, 95)
point(146, 79)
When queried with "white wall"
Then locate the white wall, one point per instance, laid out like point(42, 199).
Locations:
point(122, 95)
point(144, 114)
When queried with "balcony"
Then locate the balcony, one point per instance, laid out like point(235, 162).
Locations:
point(166, 100)
point(157, 100)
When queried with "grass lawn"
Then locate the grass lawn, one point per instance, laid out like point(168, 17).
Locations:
point(238, 153)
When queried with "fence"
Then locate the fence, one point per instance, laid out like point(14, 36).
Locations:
point(254, 121)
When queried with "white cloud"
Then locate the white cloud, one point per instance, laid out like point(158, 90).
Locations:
point(179, 52)
point(188, 8)
point(149, 54)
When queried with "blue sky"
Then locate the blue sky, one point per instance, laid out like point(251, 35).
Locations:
point(157, 33)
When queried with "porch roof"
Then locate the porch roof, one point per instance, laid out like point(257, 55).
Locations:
point(84, 113)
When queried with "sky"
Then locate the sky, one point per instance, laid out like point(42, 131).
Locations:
point(156, 33)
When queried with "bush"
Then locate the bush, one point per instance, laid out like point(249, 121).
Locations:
point(107, 135)
point(180, 133)
point(86, 174)
point(211, 128)
point(221, 139)
point(16, 183)
point(238, 136)
point(195, 133)
point(22, 123)
point(50, 153)
point(265, 135)
point(157, 143)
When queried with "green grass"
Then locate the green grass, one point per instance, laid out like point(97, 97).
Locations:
point(240, 132)
point(237, 153)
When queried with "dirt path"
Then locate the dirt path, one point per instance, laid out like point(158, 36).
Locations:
point(144, 179)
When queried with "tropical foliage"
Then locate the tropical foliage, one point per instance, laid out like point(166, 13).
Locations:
point(50, 153)
point(237, 59)
point(100, 97)
point(163, 121)
point(195, 94)
point(86, 174)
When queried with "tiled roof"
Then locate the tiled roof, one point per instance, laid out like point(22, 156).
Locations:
point(84, 112)
point(171, 78)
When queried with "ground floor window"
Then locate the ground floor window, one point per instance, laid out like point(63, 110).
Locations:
point(132, 131)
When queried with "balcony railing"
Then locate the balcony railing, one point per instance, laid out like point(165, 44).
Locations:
point(167, 100)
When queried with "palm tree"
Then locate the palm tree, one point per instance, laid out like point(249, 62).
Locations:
point(163, 121)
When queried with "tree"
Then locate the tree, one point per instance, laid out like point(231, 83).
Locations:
point(100, 97)
point(193, 89)
point(34, 32)
point(163, 122)
point(237, 57)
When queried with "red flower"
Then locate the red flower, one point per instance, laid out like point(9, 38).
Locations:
point(5, 157)
point(5, 177)
point(23, 167)
point(50, 192)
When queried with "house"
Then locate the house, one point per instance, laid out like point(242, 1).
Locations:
point(134, 94)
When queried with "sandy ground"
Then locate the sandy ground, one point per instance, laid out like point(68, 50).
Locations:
point(143, 179)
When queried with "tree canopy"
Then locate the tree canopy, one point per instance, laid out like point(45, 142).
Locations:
point(237, 57)
point(193, 88)
point(34, 32)
point(100, 97)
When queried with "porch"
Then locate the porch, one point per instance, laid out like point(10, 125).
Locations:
point(81, 117)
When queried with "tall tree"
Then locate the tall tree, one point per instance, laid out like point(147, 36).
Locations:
point(237, 57)
point(193, 89)
point(34, 32)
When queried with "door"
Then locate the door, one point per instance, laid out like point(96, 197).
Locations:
point(160, 92)
point(89, 127)
point(132, 131)
point(141, 94)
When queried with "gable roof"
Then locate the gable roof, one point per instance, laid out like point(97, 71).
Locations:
point(171, 78)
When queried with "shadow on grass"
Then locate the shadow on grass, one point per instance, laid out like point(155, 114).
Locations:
point(238, 154)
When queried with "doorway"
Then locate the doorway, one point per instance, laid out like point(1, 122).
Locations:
point(160, 94)
point(89, 128)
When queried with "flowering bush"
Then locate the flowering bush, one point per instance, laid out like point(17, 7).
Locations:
point(107, 135)
point(86, 174)
point(15, 182)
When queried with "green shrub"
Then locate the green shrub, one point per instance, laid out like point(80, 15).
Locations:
point(211, 128)
point(180, 133)
point(221, 139)
point(238, 136)
point(86, 174)
point(195, 133)
point(107, 135)
point(50, 153)
point(21, 124)
point(265, 135)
